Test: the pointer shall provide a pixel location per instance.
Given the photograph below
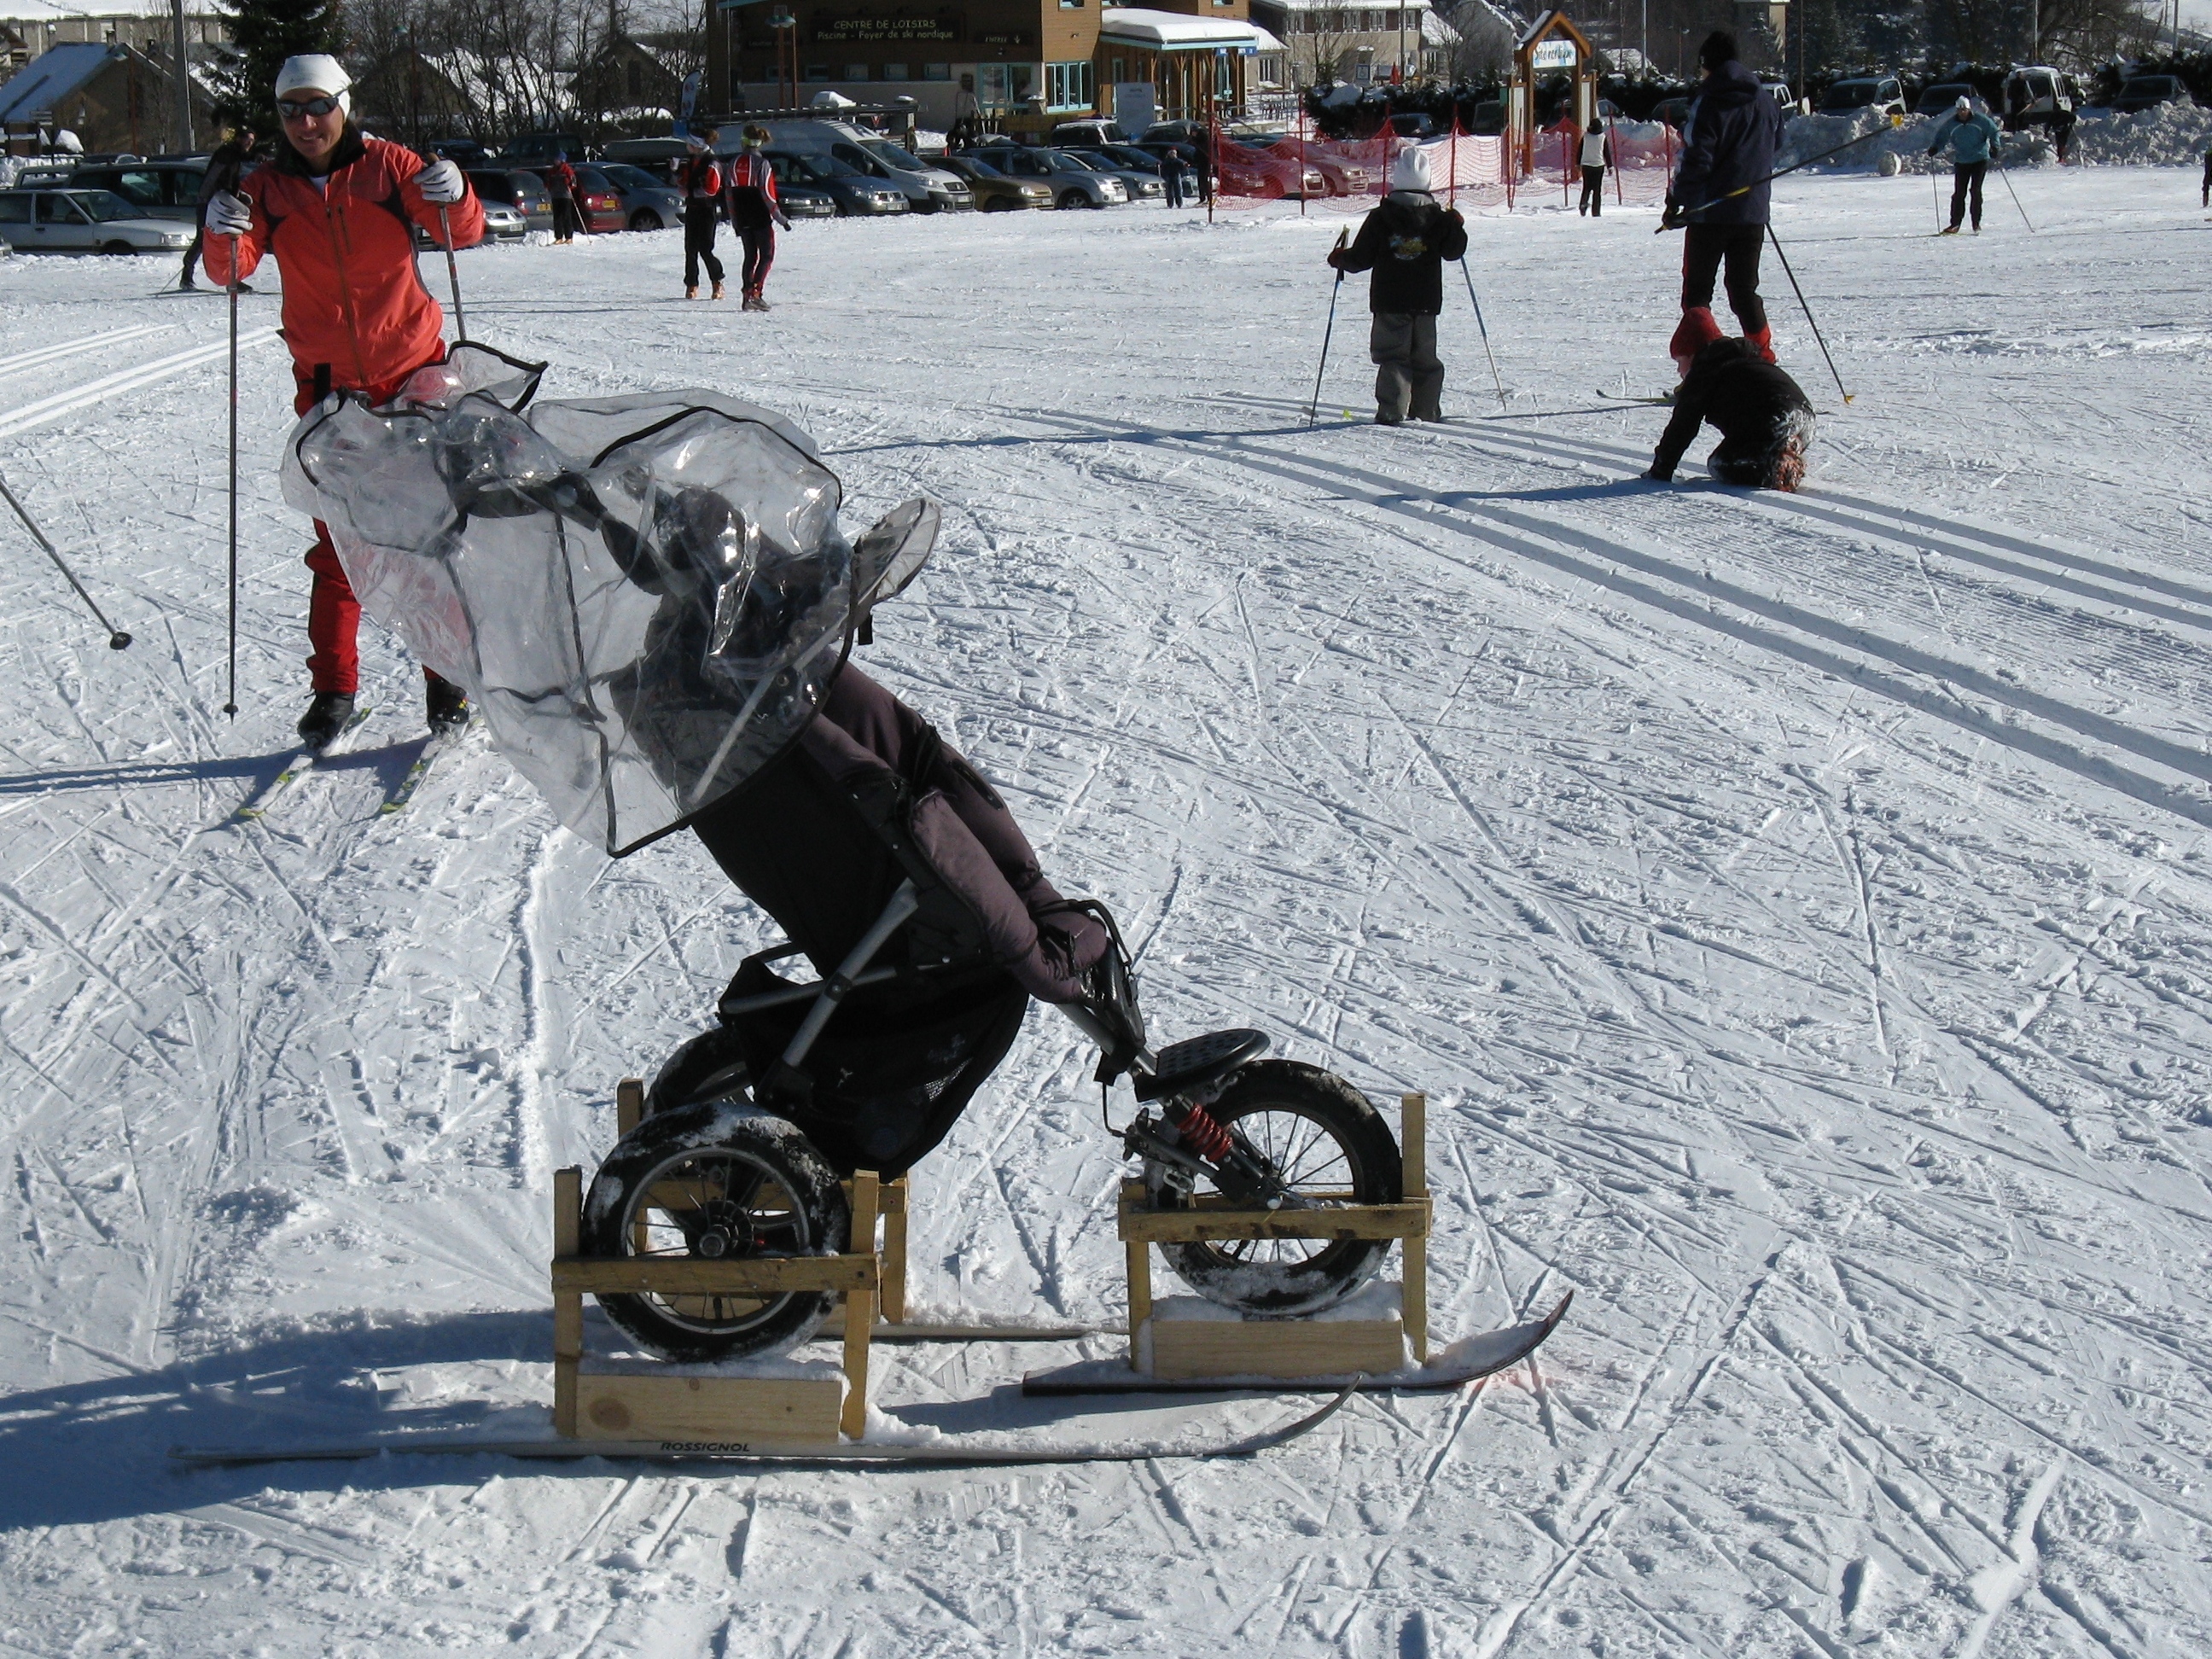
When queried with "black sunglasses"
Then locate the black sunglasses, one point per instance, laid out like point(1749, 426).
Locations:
point(305, 109)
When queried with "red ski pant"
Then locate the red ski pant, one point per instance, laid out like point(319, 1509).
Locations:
point(334, 612)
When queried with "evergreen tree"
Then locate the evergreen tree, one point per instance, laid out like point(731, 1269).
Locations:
point(266, 32)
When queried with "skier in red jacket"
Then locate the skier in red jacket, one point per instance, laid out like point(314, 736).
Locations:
point(750, 184)
point(339, 212)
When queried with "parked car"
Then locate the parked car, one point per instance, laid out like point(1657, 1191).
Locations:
point(659, 156)
point(158, 189)
point(1673, 111)
point(1089, 132)
point(599, 203)
point(803, 201)
point(537, 149)
point(1780, 93)
point(1073, 184)
point(1411, 124)
point(2141, 92)
point(523, 191)
point(928, 189)
point(501, 224)
point(857, 194)
point(647, 202)
point(2036, 96)
point(463, 153)
point(1244, 170)
point(1939, 99)
point(1127, 155)
point(1143, 184)
point(1882, 94)
point(84, 221)
point(991, 191)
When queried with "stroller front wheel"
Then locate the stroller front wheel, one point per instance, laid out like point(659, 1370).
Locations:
point(1328, 1145)
point(721, 1180)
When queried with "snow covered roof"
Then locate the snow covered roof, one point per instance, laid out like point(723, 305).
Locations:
point(1178, 31)
point(52, 11)
point(50, 76)
point(1352, 5)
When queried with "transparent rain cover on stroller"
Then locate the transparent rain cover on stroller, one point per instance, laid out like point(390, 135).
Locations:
point(644, 595)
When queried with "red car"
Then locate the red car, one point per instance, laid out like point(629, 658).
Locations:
point(599, 203)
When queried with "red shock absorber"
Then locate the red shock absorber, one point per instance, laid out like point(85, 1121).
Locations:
point(1199, 1132)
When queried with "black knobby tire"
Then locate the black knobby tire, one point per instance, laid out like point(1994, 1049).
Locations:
point(1072, 199)
point(719, 1181)
point(1325, 1137)
point(645, 219)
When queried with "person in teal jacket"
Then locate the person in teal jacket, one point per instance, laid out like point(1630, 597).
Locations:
point(1974, 141)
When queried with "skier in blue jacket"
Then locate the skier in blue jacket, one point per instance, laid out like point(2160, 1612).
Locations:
point(1974, 141)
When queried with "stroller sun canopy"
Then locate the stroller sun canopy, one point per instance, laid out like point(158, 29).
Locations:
point(644, 595)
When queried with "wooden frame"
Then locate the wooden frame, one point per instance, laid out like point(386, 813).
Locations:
point(1288, 1347)
point(722, 1410)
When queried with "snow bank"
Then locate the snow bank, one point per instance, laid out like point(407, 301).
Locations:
point(2172, 135)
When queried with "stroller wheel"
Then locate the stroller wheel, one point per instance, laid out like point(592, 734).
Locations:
point(721, 1180)
point(1330, 1147)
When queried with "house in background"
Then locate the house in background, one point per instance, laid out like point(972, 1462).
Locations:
point(113, 98)
point(28, 27)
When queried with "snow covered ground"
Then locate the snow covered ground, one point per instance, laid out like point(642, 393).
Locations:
point(1799, 911)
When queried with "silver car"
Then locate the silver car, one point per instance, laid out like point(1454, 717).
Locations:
point(1073, 184)
point(1143, 187)
point(84, 221)
point(946, 189)
point(648, 203)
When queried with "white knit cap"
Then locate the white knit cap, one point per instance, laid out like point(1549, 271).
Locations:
point(1410, 170)
point(316, 71)
point(1965, 104)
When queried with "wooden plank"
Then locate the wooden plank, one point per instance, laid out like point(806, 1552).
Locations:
point(568, 1306)
point(1352, 1221)
point(1414, 1291)
point(696, 1276)
point(721, 1410)
point(860, 1310)
point(894, 1274)
point(1138, 1258)
point(629, 1104)
point(1276, 1347)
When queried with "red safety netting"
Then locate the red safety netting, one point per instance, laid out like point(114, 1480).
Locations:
point(1473, 174)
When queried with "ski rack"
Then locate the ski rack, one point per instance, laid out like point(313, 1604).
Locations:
point(1202, 1354)
point(737, 1411)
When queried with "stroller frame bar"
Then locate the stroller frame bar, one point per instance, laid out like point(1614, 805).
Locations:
point(835, 989)
point(800, 993)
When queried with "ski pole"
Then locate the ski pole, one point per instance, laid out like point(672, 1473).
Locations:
point(117, 638)
point(1679, 214)
point(231, 707)
point(1314, 407)
point(1485, 329)
point(2005, 173)
point(1800, 292)
point(1936, 195)
point(452, 273)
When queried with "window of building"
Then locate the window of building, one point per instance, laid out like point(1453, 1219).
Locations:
point(1071, 5)
point(818, 72)
point(1067, 86)
point(856, 71)
point(895, 72)
point(1120, 74)
point(937, 71)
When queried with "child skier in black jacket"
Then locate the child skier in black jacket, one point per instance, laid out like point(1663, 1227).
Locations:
point(1405, 242)
point(1763, 417)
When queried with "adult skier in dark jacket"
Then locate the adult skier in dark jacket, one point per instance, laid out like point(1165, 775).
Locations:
point(701, 181)
point(1721, 190)
point(1763, 417)
point(1405, 242)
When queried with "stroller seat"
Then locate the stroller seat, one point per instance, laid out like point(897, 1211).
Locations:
point(870, 834)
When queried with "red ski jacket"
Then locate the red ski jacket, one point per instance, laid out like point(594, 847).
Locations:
point(700, 179)
point(357, 314)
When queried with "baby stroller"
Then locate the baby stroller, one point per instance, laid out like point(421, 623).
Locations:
point(649, 600)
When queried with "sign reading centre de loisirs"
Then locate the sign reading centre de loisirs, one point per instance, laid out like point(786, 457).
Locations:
point(1553, 55)
point(860, 30)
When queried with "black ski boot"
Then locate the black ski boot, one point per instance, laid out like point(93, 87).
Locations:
point(326, 718)
point(446, 706)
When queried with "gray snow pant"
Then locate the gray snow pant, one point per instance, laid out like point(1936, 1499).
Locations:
point(1408, 378)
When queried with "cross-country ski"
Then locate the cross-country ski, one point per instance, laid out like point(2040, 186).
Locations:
point(1395, 849)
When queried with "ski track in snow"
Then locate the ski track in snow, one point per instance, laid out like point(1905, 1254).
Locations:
point(1796, 908)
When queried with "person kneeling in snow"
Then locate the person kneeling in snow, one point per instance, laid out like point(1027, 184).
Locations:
point(1405, 242)
point(1763, 417)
